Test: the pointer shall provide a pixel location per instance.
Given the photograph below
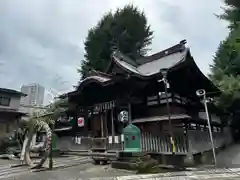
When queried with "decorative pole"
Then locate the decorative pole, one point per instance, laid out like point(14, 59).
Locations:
point(164, 73)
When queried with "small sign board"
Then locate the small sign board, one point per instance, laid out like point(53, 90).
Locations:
point(80, 122)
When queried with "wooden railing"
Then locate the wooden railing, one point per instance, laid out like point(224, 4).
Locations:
point(99, 143)
point(199, 141)
point(161, 143)
point(193, 141)
point(115, 143)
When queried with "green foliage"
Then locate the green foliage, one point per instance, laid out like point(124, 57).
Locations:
point(50, 116)
point(126, 30)
point(37, 121)
point(233, 3)
point(232, 13)
point(226, 69)
point(57, 108)
point(144, 164)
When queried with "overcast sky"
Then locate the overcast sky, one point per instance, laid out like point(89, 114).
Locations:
point(41, 41)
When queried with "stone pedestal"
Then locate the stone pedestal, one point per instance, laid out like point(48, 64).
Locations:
point(189, 160)
point(207, 158)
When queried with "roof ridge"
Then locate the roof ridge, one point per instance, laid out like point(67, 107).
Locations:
point(166, 52)
point(96, 72)
point(12, 91)
point(122, 57)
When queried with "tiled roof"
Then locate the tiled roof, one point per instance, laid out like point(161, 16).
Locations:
point(153, 67)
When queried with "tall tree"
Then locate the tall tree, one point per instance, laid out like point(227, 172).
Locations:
point(232, 13)
point(226, 66)
point(234, 3)
point(126, 30)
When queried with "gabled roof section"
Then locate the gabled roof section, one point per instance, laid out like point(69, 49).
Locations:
point(151, 65)
point(172, 50)
point(177, 59)
point(95, 77)
point(121, 56)
point(11, 91)
point(99, 73)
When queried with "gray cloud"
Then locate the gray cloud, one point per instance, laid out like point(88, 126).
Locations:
point(42, 41)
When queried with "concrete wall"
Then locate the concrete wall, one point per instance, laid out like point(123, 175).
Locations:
point(8, 121)
point(14, 102)
point(7, 126)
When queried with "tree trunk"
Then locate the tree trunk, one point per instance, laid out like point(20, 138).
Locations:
point(47, 144)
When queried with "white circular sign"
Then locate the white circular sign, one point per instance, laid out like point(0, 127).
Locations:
point(80, 122)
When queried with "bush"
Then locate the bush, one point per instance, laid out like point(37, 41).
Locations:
point(145, 164)
point(6, 143)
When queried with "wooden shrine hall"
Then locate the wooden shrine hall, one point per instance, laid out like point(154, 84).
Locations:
point(158, 94)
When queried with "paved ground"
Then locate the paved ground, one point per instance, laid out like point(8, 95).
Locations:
point(79, 168)
point(83, 171)
point(90, 172)
point(9, 172)
point(230, 157)
point(213, 174)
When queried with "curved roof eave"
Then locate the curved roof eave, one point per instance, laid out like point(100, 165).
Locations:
point(100, 80)
point(137, 71)
point(216, 89)
point(182, 57)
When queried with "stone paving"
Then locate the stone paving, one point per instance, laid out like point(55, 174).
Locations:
point(219, 174)
point(230, 157)
point(8, 171)
point(81, 171)
point(87, 171)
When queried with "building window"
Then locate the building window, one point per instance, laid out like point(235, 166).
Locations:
point(4, 101)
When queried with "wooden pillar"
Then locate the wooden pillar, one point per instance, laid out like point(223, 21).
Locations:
point(158, 96)
point(113, 129)
point(129, 111)
point(105, 123)
point(186, 137)
point(85, 115)
point(102, 130)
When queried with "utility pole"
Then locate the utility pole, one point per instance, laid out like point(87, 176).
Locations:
point(202, 93)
